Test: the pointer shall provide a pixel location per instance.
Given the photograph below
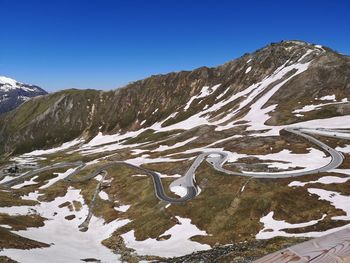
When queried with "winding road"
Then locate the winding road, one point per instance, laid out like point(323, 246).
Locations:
point(216, 159)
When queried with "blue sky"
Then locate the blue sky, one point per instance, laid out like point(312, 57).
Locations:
point(104, 44)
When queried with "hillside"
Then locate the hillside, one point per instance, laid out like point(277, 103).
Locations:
point(234, 161)
point(82, 113)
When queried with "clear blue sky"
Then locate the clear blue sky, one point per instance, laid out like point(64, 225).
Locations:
point(104, 44)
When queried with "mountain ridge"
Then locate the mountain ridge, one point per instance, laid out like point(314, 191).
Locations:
point(126, 108)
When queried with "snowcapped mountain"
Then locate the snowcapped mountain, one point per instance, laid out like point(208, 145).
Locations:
point(14, 93)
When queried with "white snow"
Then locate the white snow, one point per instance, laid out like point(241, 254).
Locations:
point(139, 175)
point(162, 148)
point(9, 81)
point(64, 235)
point(17, 210)
point(248, 69)
point(7, 84)
point(7, 178)
point(64, 146)
point(31, 196)
point(206, 91)
point(26, 183)
point(345, 149)
point(257, 116)
point(179, 190)
point(312, 107)
point(322, 180)
point(328, 97)
point(103, 195)
point(145, 159)
point(311, 160)
point(59, 177)
point(177, 245)
point(339, 201)
point(122, 208)
point(273, 227)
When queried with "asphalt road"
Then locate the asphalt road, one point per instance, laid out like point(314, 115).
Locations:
point(215, 158)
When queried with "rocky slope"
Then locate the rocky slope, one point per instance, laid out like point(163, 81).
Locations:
point(52, 119)
point(14, 93)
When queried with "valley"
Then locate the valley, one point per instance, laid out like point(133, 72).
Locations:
point(248, 157)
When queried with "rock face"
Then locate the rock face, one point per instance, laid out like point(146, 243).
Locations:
point(14, 93)
point(55, 118)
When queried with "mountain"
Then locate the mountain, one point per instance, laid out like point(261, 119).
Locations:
point(215, 164)
point(14, 93)
point(69, 114)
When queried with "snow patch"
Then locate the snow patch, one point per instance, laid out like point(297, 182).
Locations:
point(178, 244)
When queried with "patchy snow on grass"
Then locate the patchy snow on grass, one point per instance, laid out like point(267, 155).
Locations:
point(27, 160)
point(25, 183)
point(7, 178)
point(64, 146)
point(206, 91)
point(178, 244)
point(122, 208)
point(248, 69)
point(328, 97)
point(31, 196)
point(144, 159)
point(258, 115)
point(139, 175)
point(161, 175)
point(312, 107)
point(338, 200)
point(103, 195)
point(345, 149)
point(59, 177)
point(312, 160)
point(322, 180)
point(67, 243)
point(162, 148)
point(273, 227)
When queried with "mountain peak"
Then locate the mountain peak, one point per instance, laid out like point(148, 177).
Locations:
point(7, 84)
point(5, 80)
point(14, 93)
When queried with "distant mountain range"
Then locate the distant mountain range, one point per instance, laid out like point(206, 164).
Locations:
point(14, 93)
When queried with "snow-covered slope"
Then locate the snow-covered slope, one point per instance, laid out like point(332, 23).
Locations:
point(14, 93)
